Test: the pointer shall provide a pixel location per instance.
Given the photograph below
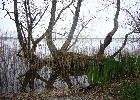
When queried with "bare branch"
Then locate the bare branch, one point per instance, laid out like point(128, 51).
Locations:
point(48, 32)
point(72, 30)
point(40, 17)
point(19, 53)
point(135, 21)
point(36, 16)
point(29, 22)
point(8, 13)
point(123, 44)
point(72, 11)
point(20, 37)
point(21, 26)
point(133, 18)
point(63, 10)
point(106, 6)
point(109, 36)
point(30, 27)
point(3, 7)
point(26, 12)
point(126, 36)
point(76, 39)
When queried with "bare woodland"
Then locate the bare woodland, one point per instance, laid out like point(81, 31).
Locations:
point(62, 62)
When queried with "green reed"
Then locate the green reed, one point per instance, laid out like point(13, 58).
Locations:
point(124, 66)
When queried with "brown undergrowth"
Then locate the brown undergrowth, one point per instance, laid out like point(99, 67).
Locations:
point(108, 91)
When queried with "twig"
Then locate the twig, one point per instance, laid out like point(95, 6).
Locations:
point(63, 10)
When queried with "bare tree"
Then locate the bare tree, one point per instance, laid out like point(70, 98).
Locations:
point(108, 39)
point(28, 44)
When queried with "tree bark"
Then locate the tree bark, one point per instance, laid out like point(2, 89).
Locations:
point(108, 39)
point(30, 75)
point(72, 30)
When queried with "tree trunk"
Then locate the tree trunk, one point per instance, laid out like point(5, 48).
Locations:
point(30, 75)
point(65, 64)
